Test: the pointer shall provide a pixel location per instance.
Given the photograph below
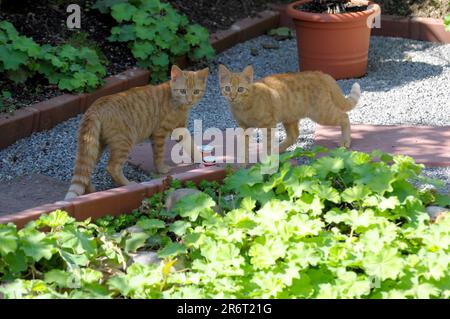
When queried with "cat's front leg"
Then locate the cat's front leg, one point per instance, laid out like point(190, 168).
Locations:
point(158, 142)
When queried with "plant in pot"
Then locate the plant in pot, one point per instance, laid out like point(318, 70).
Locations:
point(333, 35)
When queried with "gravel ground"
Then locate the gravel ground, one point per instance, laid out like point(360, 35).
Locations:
point(407, 83)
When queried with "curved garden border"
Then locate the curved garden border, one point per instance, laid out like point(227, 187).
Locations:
point(114, 201)
point(120, 200)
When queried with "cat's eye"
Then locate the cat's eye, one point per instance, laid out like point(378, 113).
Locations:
point(241, 89)
point(183, 91)
point(227, 88)
point(197, 92)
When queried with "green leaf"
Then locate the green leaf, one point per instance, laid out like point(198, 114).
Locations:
point(180, 227)
point(241, 178)
point(57, 276)
point(27, 45)
point(12, 59)
point(326, 165)
point(161, 59)
point(16, 261)
point(355, 193)
point(171, 250)
point(191, 206)
point(376, 176)
point(248, 204)
point(327, 192)
point(78, 241)
point(150, 224)
point(8, 239)
point(447, 23)
point(142, 50)
point(136, 241)
point(123, 11)
point(384, 265)
point(36, 245)
point(123, 33)
point(55, 219)
point(443, 200)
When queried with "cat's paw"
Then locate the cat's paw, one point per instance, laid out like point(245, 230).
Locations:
point(345, 143)
point(163, 169)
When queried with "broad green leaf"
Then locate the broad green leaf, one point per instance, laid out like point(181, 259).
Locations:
point(191, 206)
point(8, 239)
point(123, 11)
point(172, 250)
point(136, 241)
point(36, 245)
point(385, 265)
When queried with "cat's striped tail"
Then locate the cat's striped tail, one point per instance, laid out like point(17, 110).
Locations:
point(346, 103)
point(87, 155)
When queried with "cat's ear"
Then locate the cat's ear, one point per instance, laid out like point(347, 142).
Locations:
point(248, 74)
point(203, 74)
point(224, 73)
point(175, 73)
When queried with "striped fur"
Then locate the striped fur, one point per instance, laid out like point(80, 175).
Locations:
point(287, 98)
point(121, 120)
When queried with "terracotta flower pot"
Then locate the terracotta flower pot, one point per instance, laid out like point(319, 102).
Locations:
point(337, 44)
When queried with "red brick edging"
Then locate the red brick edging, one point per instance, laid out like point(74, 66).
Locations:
point(45, 115)
point(114, 201)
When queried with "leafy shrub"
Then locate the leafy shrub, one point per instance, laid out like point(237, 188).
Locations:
point(348, 225)
point(18, 53)
point(70, 68)
point(157, 34)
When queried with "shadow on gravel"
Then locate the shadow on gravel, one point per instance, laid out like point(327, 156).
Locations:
point(390, 68)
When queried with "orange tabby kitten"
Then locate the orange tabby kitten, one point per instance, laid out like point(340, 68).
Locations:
point(287, 98)
point(122, 120)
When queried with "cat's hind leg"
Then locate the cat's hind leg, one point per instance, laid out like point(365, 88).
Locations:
point(292, 133)
point(91, 188)
point(117, 158)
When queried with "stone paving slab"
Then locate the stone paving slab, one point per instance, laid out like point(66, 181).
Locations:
point(427, 145)
point(141, 156)
point(30, 191)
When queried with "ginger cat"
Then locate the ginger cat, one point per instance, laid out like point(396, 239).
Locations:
point(287, 98)
point(119, 121)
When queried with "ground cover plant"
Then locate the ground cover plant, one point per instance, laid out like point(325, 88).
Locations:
point(67, 67)
point(347, 225)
